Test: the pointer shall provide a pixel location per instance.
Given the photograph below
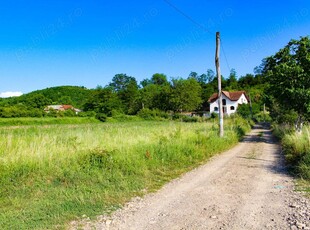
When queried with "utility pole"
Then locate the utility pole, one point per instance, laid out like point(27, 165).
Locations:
point(218, 72)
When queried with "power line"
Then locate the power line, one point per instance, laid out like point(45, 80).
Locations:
point(187, 16)
point(198, 25)
point(228, 66)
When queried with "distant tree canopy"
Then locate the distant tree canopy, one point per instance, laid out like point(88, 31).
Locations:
point(124, 95)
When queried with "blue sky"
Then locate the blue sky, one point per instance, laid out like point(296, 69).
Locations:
point(85, 43)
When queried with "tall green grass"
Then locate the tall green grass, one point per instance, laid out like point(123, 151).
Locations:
point(46, 121)
point(296, 147)
point(54, 174)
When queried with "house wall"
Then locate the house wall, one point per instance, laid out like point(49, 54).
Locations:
point(229, 104)
point(242, 100)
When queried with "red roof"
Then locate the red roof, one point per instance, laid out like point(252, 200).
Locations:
point(66, 107)
point(233, 96)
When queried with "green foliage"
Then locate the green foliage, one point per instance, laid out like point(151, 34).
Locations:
point(296, 147)
point(186, 95)
point(32, 104)
point(155, 114)
point(244, 110)
point(232, 83)
point(46, 121)
point(126, 88)
point(288, 74)
point(159, 79)
point(155, 96)
point(59, 95)
point(124, 95)
point(101, 117)
point(189, 119)
point(262, 117)
point(104, 101)
point(286, 117)
point(121, 117)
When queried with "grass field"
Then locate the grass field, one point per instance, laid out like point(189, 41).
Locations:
point(50, 175)
point(46, 121)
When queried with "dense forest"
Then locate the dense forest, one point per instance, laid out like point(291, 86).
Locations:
point(281, 83)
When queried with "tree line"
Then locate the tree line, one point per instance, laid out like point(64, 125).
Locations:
point(126, 96)
point(281, 83)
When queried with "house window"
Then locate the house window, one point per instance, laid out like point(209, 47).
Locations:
point(216, 109)
point(224, 101)
point(232, 107)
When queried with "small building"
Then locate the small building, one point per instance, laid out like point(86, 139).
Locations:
point(58, 108)
point(230, 100)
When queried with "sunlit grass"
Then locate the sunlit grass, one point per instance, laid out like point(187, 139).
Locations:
point(297, 150)
point(50, 175)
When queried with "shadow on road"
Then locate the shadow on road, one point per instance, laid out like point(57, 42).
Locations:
point(263, 135)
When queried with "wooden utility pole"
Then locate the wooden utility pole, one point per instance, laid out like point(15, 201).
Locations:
point(218, 72)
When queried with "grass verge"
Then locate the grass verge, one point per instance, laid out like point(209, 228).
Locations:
point(50, 176)
point(296, 147)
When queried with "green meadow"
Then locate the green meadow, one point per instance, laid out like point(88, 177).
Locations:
point(53, 174)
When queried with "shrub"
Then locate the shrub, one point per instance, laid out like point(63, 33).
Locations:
point(189, 119)
point(214, 115)
point(261, 116)
point(101, 117)
point(146, 114)
point(296, 147)
point(87, 114)
point(244, 110)
point(155, 114)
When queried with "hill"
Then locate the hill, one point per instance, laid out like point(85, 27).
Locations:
point(33, 103)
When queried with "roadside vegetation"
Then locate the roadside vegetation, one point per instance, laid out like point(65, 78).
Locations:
point(46, 121)
point(287, 74)
point(51, 175)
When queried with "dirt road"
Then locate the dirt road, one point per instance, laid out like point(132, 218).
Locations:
point(246, 187)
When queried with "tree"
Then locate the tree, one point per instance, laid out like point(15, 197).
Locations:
point(232, 80)
point(37, 101)
point(210, 75)
point(186, 95)
point(103, 101)
point(288, 75)
point(145, 82)
point(126, 88)
point(201, 79)
point(159, 79)
point(155, 96)
point(246, 81)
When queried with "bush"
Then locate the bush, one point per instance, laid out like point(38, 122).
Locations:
point(149, 114)
point(146, 114)
point(87, 114)
point(288, 117)
point(189, 119)
point(261, 116)
point(214, 115)
point(244, 110)
point(296, 148)
point(69, 113)
point(101, 117)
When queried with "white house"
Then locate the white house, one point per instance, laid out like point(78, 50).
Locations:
point(231, 100)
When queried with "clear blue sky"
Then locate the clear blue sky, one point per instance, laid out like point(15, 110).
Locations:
point(85, 43)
